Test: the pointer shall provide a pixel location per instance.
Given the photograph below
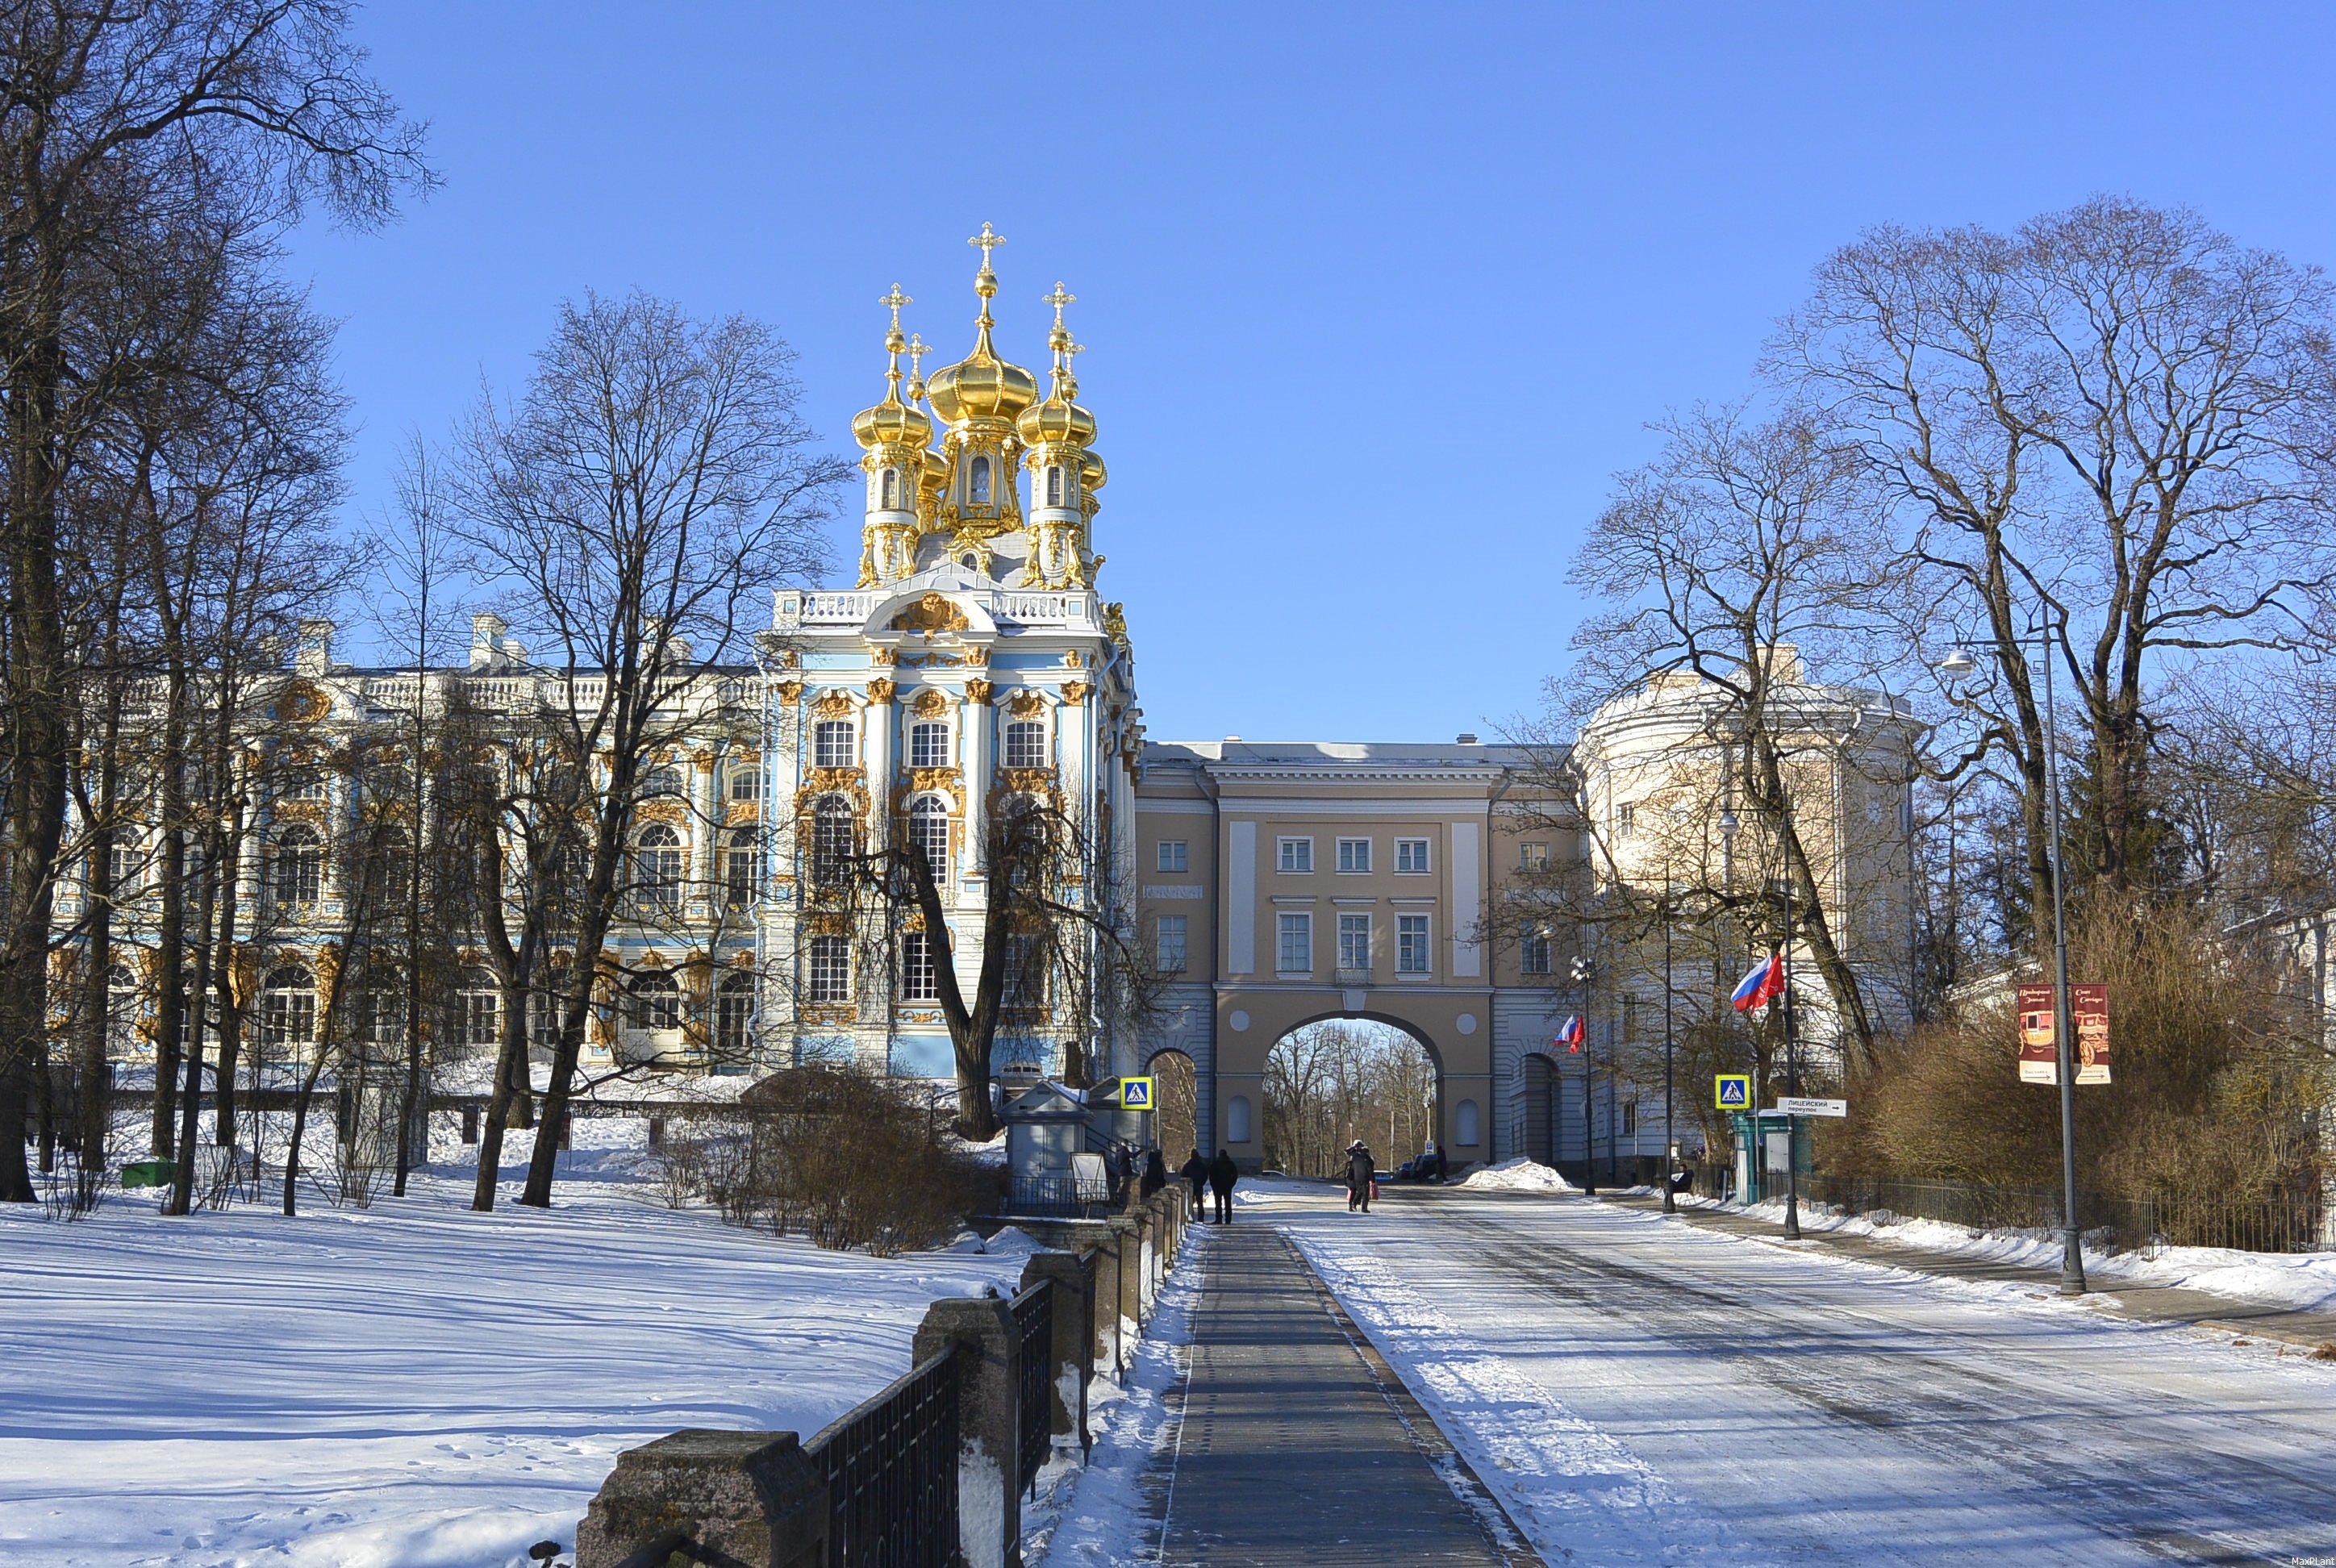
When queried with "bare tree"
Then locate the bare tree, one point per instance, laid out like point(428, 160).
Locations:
point(636, 506)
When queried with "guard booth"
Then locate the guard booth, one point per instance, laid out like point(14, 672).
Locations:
point(1760, 1154)
point(1072, 1151)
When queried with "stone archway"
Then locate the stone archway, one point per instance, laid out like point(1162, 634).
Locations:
point(1177, 1094)
point(1331, 1081)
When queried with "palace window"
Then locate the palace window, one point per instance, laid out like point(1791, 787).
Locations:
point(1297, 855)
point(1354, 941)
point(653, 1002)
point(656, 866)
point(1630, 1118)
point(746, 781)
point(287, 1007)
point(1297, 954)
point(920, 980)
point(734, 1020)
point(546, 1006)
point(741, 868)
point(889, 488)
point(299, 866)
point(1626, 820)
point(1533, 950)
point(1354, 855)
point(832, 842)
point(928, 831)
point(1025, 743)
point(1168, 946)
point(301, 781)
point(1411, 854)
point(831, 743)
point(831, 968)
point(663, 780)
point(1173, 855)
point(125, 869)
point(120, 1010)
point(1024, 989)
point(479, 1009)
point(1411, 944)
point(929, 745)
point(1054, 486)
point(381, 1007)
point(978, 482)
point(1532, 857)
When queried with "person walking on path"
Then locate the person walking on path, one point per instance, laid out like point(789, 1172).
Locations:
point(1442, 1165)
point(1223, 1174)
point(1156, 1172)
point(1196, 1170)
point(1361, 1171)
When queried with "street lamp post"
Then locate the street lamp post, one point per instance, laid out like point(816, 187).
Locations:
point(1588, 1084)
point(1792, 1073)
point(1960, 662)
point(1671, 1145)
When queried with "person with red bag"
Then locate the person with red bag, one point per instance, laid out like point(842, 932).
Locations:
point(1362, 1177)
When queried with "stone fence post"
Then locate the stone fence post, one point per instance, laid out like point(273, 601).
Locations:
point(1127, 1234)
point(751, 1496)
point(1072, 1284)
point(1105, 1309)
point(989, 1501)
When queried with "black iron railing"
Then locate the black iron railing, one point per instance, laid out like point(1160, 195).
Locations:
point(891, 1466)
point(2295, 1222)
point(1034, 1332)
point(1064, 1196)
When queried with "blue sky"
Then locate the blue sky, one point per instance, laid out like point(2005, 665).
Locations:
point(1375, 298)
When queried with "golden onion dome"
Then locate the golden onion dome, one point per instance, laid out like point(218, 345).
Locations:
point(981, 386)
point(892, 423)
point(1057, 420)
point(1092, 475)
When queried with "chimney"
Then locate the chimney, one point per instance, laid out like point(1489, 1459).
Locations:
point(1466, 740)
point(315, 656)
point(486, 640)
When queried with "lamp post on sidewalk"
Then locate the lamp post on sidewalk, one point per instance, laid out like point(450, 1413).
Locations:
point(1671, 1145)
point(1958, 662)
point(1581, 972)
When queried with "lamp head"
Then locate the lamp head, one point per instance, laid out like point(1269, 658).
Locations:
point(1958, 662)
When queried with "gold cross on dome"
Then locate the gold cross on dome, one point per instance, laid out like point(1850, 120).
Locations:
point(1060, 298)
point(896, 299)
point(990, 240)
point(916, 352)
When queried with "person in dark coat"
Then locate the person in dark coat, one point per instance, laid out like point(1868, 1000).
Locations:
point(1156, 1172)
point(1361, 1171)
point(1223, 1174)
point(1196, 1170)
point(1442, 1165)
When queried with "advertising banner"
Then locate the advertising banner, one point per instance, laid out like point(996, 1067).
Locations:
point(2040, 1061)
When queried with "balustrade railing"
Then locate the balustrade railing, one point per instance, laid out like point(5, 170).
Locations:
point(1034, 1329)
point(891, 1466)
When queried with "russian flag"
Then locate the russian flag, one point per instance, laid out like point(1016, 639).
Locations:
point(1764, 985)
point(1568, 1034)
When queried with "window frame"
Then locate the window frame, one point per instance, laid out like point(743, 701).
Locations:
point(1414, 858)
point(1293, 854)
point(828, 970)
point(923, 730)
point(920, 975)
point(1298, 924)
point(1025, 729)
point(1355, 856)
point(1173, 855)
point(660, 883)
point(1354, 924)
point(1533, 856)
point(650, 997)
point(931, 809)
point(1172, 937)
point(845, 751)
point(1415, 944)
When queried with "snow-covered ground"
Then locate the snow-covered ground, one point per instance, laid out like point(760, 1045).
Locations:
point(2305, 1282)
point(410, 1385)
point(1640, 1391)
point(1518, 1175)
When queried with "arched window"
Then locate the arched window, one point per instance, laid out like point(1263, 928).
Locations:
point(831, 743)
point(929, 745)
point(1237, 1128)
point(741, 868)
point(928, 830)
point(832, 842)
point(1054, 485)
point(653, 1002)
point(479, 1009)
point(664, 780)
point(125, 867)
point(1465, 1132)
point(1025, 743)
point(656, 866)
point(120, 1010)
point(888, 488)
point(978, 482)
point(287, 1007)
point(299, 866)
point(746, 781)
point(734, 1017)
point(381, 1007)
point(392, 868)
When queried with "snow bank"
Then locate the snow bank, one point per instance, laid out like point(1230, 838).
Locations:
point(411, 1384)
point(2305, 1282)
point(1518, 1175)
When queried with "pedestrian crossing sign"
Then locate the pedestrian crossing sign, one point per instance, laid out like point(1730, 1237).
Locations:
point(1732, 1091)
point(1135, 1094)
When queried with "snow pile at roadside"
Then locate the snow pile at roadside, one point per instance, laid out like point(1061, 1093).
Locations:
point(1518, 1175)
point(411, 1384)
point(2305, 1282)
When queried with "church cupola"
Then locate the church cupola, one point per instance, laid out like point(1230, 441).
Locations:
point(1055, 434)
point(893, 437)
point(979, 398)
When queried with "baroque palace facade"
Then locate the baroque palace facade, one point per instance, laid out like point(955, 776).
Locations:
point(1270, 885)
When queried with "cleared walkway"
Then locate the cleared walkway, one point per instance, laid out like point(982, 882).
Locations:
point(1292, 1449)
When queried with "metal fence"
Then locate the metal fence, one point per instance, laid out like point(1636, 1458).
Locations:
point(2294, 1222)
point(1034, 1332)
point(1065, 1197)
point(891, 1466)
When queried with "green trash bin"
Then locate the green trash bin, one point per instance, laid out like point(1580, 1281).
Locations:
point(149, 1174)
